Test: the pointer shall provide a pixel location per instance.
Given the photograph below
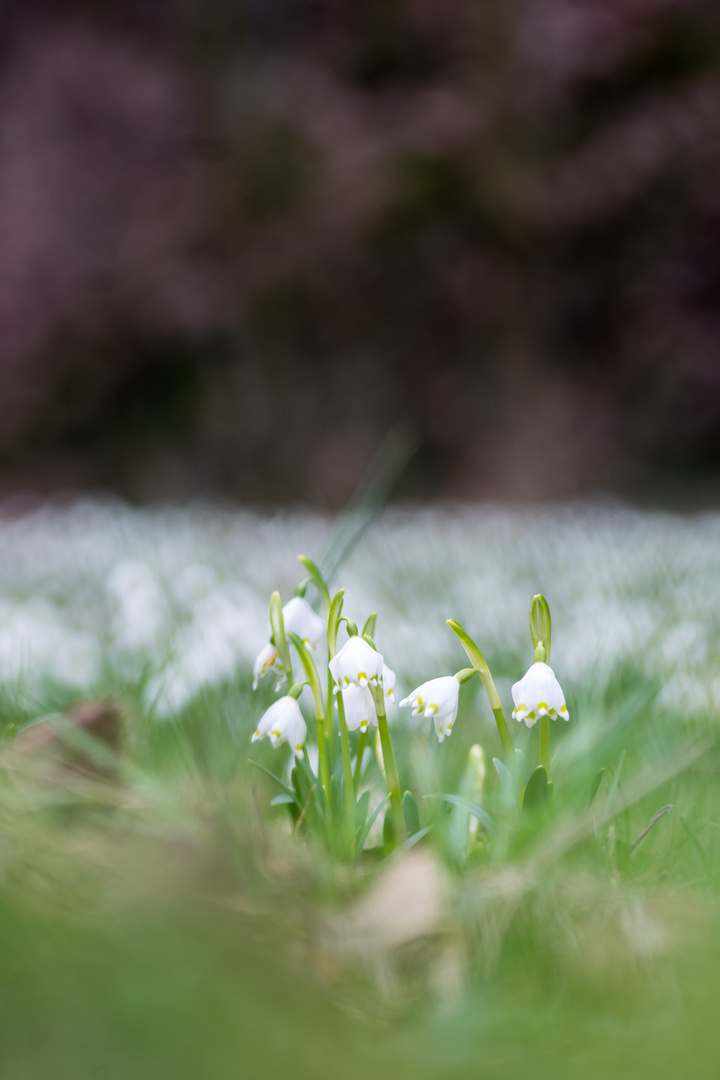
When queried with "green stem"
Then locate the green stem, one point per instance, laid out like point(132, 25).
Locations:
point(391, 772)
point(478, 661)
point(322, 759)
point(314, 679)
point(362, 742)
point(347, 773)
point(503, 731)
point(545, 744)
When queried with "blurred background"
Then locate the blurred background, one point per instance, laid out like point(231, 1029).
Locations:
point(242, 241)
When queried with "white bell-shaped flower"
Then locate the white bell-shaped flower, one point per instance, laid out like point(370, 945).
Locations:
point(389, 683)
point(357, 662)
point(437, 698)
point(359, 708)
point(267, 660)
point(299, 618)
point(538, 694)
point(283, 723)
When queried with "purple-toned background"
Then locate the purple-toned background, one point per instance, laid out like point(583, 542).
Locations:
point(239, 242)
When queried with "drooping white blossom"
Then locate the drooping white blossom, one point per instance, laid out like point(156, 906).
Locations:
point(283, 723)
point(359, 707)
point(267, 660)
point(299, 618)
point(389, 683)
point(538, 694)
point(437, 698)
point(357, 662)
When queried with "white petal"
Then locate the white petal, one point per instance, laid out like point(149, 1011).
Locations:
point(282, 722)
point(437, 698)
point(357, 662)
point(359, 707)
point(389, 681)
point(538, 693)
point(267, 660)
point(299, 618)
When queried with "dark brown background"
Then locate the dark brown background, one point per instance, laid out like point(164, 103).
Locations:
point(239, 242)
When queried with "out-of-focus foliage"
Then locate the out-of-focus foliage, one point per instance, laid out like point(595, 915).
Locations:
point(158, 919)
point(499, 220)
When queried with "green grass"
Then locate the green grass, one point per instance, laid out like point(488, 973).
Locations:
point(162, 921)
point(165, 923)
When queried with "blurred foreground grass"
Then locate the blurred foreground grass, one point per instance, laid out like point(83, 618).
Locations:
point(158, 919)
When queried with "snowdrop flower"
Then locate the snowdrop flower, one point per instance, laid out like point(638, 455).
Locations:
point(389, 682)
point(538, 693)
point(283, 722)
point(437, 698)
point(359, 707)
point(357, 662)
point(267, 660)
point(299, 618)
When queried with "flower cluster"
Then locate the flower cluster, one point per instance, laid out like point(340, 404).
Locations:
point(355, 687)
point(356, 670)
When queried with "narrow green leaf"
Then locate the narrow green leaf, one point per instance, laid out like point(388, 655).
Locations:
point(506, 779)
point(616, 778)
point(536, 791)
point(334, 620)
point(288, 790)
point(369, 627)
point(361, 811)
point(370, 822)
point(318, 580)
point(473, 808)
point(311, 672)
point(523, 765)
point(283, 800)
point(477, 660)
point(409, 843)
point(389, 834)
point(596, 781)
point(696, 844)
point(278, 632)
point(411, 812)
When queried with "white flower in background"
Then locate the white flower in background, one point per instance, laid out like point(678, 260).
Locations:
point(437, 698)
point(389, 682)
point(359, 707)
point(299, 618)
point(357, 662)
point(266, 660)
point(283, 723)
point(537, 694)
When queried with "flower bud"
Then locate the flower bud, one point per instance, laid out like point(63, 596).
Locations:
point(540, 627)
